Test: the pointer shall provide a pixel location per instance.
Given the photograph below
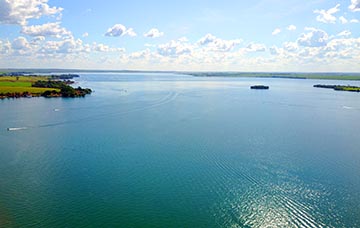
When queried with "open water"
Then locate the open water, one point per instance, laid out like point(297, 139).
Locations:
point(164, 150)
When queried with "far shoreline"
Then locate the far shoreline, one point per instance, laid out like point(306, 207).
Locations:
point(351, 76)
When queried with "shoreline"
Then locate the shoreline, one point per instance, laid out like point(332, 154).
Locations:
point(18, 85)
point(299, 76)
point(286, 75)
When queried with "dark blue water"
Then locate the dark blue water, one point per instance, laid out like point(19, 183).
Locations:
point(162, 150)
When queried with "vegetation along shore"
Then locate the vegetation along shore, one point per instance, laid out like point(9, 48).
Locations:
point(17, 84)
point(339, 87)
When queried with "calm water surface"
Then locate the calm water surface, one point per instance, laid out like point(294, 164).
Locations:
point(162, 150)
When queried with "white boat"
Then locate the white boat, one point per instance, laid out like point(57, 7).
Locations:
point(16, 128)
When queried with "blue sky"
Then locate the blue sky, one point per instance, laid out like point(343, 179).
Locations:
point(197, 35)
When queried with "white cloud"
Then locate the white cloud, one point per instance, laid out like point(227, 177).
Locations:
point(253, 47)
point(153, 33)
point(343, 20)
point(131, 32)
point(19, 11)
point(20, 43)
point(344, 33)
point(208, 38)
point(65, 46)
point(106, 48)
point(49, 29)
point(174, 48)
point(5, 47)
point(119, 30)
point(38, 39)
point(326, 16)
point(144, 54)
point(274, 50)
point(291, 28)
point(85, 34)
point(213, 43)
point(355, 5)
point(276, 31)
point(21, 46)
point(314, 38)
point(342, 49)
point(183, 39)
point(291, 46)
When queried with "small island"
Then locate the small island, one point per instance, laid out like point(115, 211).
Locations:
point(259, 87)
point(16, 85)
point(339, 87)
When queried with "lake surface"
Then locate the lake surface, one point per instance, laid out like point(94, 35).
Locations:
point(163, 150)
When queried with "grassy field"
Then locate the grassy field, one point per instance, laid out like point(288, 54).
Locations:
point(12, 84)
point(33, 90)
point(22, 78)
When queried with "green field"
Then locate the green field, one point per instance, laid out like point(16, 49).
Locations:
point(23, 78)
point(33, 90)
point(12, 84)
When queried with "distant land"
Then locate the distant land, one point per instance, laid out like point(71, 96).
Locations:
point(287, 75)
point(290, 75)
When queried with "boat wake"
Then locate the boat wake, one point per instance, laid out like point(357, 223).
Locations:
point(162, 101)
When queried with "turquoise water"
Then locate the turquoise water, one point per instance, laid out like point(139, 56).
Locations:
point(162, 150)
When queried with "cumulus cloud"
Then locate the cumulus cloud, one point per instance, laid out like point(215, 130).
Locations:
point(153, 33)
point(120, 30)
point(213, 43)
point(174, 48)
point(291, 28)
point(274, 50)
point(19, 11)
point(38, 39)
point(20, 43)
point(208, 38)
point(355, 5)
point(349, 45)
point(183, 39)
point(276, 31)
point(106, 48)
point(343, 20)
point(291, 46)
point(64, 46)
point(48, 29)
point(314, 38)
point(144, 54)
point(253, 47)
point(5, 47)
point(344, 33)
point(131, 32)
point(326, 16)
point(85, 34)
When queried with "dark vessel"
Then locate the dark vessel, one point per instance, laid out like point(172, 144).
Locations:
point(259, 87)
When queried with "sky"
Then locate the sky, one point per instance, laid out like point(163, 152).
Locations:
point(187, 35)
